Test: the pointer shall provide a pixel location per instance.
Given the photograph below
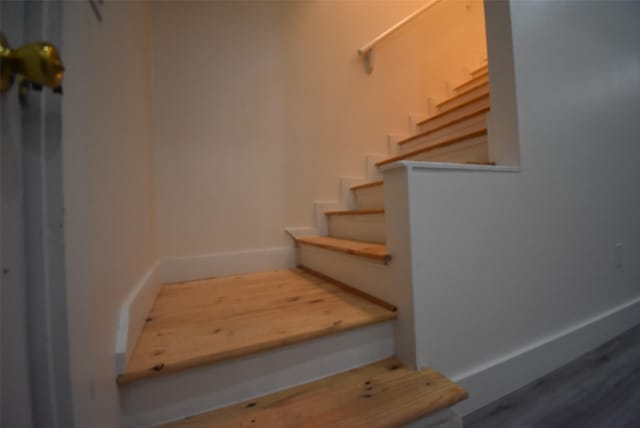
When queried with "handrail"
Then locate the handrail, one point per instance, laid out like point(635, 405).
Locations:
point(367, 51)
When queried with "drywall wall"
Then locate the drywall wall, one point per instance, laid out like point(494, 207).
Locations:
point(512, 265)
point(109, 189)
point(260, 107)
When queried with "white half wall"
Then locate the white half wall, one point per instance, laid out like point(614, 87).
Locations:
point(179, 269)
point(512, 266)
point(133, 314)
point(109, 189)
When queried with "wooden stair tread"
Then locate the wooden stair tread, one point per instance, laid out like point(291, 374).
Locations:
point(355, 212)
point(442, 113)
point(448, 142)
point(202, 322)
point(480, 70)
point(367, 185)
point(383, 394)
point(472, 80)
point(444, 125)
point(356, 248)
point(484, 86)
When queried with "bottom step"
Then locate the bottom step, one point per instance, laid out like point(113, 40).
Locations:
point(383, 394)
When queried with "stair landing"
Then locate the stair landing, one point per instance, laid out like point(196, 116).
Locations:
point(383, 394)
point(202, 322)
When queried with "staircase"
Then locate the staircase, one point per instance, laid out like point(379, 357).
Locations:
point(354, 252)
point(311, 346)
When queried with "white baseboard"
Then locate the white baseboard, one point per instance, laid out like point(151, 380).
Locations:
point(371, 170)
point(300, 231)
point(347, 201)
point(189, 268)
point(133, 314)
point(497, 378)
point(319, 216)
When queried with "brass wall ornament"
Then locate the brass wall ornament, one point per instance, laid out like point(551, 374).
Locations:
point(37, 64)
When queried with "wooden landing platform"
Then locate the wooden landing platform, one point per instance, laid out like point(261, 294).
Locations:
point(384, 394)
point(202, 322)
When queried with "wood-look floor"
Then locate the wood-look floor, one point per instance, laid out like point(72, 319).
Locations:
point(383, 394)
point(598, 390)
point(202, 322)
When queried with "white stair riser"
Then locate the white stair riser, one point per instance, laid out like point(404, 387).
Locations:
point(474, 123)
point(455, 114)
point(159, 400)
point(475, 92)
point(471, 150)
point(369, 198)
point(481, 80)
point(365, 227)
point(367, 275)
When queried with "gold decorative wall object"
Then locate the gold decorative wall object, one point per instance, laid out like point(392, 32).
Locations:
point(36, 64)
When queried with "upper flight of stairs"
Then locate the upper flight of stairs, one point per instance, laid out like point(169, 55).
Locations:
point(312, 346)
point(456, 133)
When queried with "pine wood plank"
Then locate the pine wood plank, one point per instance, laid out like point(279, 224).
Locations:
point(354, 212)
point(202, 322)
point(444, 125)
point(484, 88)
point(433, 147)
point(383, 394)
point(367, 185)
point(445, 112)
point(356, 248)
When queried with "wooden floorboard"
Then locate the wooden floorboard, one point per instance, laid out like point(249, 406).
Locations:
point(384, 394)
point(202, 322)
point(598, 390)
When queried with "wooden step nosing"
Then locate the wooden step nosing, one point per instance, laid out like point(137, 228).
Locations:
point(387, 379)
point(367, 185)
point(458, 107)
point(354, 212)
point(462, 94)
point(444, 125)
point(434, 146)
point(189, 363)
point(385, 258)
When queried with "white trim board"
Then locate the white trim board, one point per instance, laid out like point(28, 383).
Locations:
point(411, 165)
point(133, 314)
point(189, 268)
point(495, 379)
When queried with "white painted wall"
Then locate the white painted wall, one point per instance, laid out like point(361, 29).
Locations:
point(512, 265)
point(260, 107)
point(109, 189)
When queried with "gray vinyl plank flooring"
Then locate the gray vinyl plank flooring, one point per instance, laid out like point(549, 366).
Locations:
point(601, 389)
